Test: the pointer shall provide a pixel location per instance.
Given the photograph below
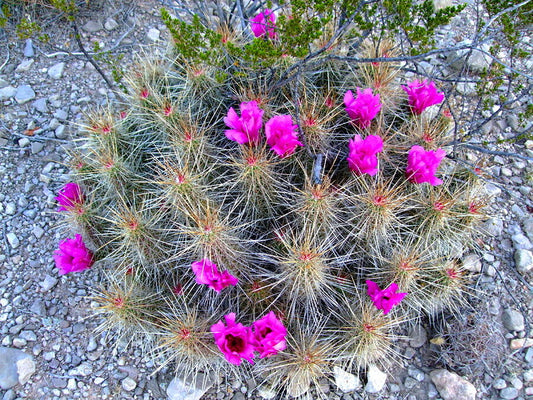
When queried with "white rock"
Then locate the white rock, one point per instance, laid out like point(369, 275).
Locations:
point(345, 381)
point(440, 4)
point(110, 24)
point(153, 34)
point(376, 379)
point(128, 384)
point(25, 369)
point(92, 26)
point(40, 105)
point(266, 392)
point(7, 92)
point(13, 240)
point(179, 389)
point(56, 71)
point(523, 260)
point(521, 242)
point(451, 386)
point(24, 142)
point(472, 263)
point(48, 283)
point(84, 369)
point(25, 65)
point(24, 94)
point(38, 232)
point(28, 48)
point(11, 208)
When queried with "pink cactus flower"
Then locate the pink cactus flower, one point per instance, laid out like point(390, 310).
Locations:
point(269, 335)
point(281, 135)
point(363, 108)
point(69, 197)
point(234, 340)
point(384, 299)
point(72, 256)
point(422, 165)
point(246, 128)
point(422, 95)
point(362, 158)
point(207, 273)
point(264, 23)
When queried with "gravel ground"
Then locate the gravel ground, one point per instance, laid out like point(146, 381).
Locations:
point(49, 317)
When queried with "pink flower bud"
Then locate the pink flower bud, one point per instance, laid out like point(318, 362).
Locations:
point(207, 273)
point(362, 158)
point(384, 299)
point(264, 23)
point(246, 128)
point(72, 256)
point(281, 135)
point(422, 95)
point(363, 108)
point(422, 165)
point(234, 340)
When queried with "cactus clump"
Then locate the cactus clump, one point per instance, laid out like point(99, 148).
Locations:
point(250, 204)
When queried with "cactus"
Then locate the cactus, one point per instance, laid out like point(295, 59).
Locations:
point(225, 191)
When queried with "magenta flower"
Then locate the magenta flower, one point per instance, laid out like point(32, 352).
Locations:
point(269, 335)
point(422, 95)
point(281, 135)
point(234, 340)
point(72, 256)
point(207, 273)
point(70, 197)
point(363, 108)
point(245, 128)
point(362, 158)
point(384, 299)
point(263, 23)
point(422, 165)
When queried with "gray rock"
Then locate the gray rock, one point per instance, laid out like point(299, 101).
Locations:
point(472, 263)
point(15, 367)
point(440, 4)
point(509, 393)
point(493, 227)
point(38, 308)
point(25, 65)
point(56, 71)
point(29, 336)
point(41, 105)
point(28, 48)
point(153, 34)
point(3, 83)
point(466, 88)
point(13, 240)
point(24, 94)
point(92, 26)
point(266, 392)
point(451, 386)
point(523, 260)
point(521, 242)
point(11, 208)
point(110, 24)
point(84, 369)
point(61, 115)
point(528, 375)
point(38, 232)
point(36, 147)
point(7, 92)
point(128, 384)
point(417, 336)
point(528, 228)
point(179, 389)
point(513, 320)
point(48, 283)
point(376, 379)
point(346, 381)
point(53, 124)
point(60, 132)
point(499, 384)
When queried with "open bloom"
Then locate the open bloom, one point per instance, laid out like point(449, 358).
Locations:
point(207, 273)
point(72, 256)
point(269, 335)
point(422, 165)
point(234, 340)
point(362, 158)
point(384, 299)
point(281, 135)
point(245, 128)
point(422, 95)
point(69, 197)
point(264, 23)
point(363, 108)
